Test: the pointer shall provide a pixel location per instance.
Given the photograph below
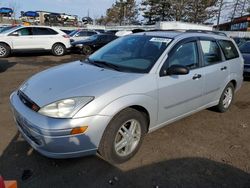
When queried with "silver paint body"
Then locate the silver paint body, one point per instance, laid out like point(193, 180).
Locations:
point(166, 99)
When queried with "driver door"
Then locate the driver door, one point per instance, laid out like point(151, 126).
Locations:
point(181, 94)
point(23, 39)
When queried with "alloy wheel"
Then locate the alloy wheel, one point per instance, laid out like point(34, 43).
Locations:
point(127, 138)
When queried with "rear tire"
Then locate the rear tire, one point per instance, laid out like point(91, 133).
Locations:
point(226, 98)
point(123, 136)
point(58, 49)
point(4, 50)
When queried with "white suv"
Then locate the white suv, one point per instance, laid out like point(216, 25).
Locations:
point(31, 38)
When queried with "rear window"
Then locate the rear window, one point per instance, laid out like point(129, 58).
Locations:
point(43, 31)
point(228, 49)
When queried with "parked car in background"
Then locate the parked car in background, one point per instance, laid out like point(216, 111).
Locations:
point(88, 46)
point(112, 31)
point(100, 30)
point(245, 50)
point(32, 38)
point(66, 31)
point(239, 40)
point(132, 86)
point(81, 34)
point(5, 28)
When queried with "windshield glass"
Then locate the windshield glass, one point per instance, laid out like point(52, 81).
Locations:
point(134, 53)
point(73, 33)
point(245, 47)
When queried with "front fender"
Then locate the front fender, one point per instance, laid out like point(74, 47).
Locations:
point(147, 102)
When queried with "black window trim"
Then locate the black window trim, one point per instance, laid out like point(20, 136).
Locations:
point(181, 42)
point(202, 54)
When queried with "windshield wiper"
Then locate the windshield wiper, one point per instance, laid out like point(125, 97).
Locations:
point(109, 65)
point(102, 64)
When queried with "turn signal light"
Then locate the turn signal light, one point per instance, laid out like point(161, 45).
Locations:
point(78, 130)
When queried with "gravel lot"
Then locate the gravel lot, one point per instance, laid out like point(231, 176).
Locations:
point(208, 149)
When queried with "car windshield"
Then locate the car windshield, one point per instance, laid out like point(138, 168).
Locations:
point(73, 33)
point(134, 53)
point(245, 47)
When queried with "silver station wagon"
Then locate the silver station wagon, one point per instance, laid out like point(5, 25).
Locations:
point(137, 84)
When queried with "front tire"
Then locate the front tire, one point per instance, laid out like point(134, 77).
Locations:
point(226, 98)
point(123, 136)
point(86, 50)
point(4, 50)
point(58, 49)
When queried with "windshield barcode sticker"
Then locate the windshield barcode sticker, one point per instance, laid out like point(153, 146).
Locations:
point(162, 40)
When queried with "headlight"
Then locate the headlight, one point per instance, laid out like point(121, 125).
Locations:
point(79, 45)
point(65, 108)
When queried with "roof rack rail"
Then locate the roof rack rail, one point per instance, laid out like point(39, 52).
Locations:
point(205, 31)
point(191, 31)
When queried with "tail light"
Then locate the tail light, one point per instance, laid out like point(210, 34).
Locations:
point(66, 36)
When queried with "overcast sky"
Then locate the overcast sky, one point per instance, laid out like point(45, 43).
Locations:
point(76, 7)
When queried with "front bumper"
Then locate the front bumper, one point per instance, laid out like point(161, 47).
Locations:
point(51, 137)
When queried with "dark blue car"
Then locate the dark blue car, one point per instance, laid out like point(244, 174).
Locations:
point(245, 50)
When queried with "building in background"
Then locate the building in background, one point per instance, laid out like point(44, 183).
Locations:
point(237, 24)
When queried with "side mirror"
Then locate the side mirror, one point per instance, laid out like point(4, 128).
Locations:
point(15, 34)
point(177, 70)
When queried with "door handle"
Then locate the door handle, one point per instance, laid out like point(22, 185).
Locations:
point(197, 76)
point(223, 68)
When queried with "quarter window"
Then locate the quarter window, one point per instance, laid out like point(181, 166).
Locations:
point(186, 55)
point(228, 49)
point(211, 52)
point(43, 31)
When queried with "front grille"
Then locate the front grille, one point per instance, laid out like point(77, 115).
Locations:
point(28, 134)
point(28, 102)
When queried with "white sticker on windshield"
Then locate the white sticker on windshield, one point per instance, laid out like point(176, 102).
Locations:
point(163, 40)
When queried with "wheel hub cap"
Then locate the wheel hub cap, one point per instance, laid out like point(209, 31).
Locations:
point(2, 51)
point(59, 50)
point(228, 96)
point(127, 138)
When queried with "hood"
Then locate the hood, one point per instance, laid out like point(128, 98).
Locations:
point(73, 80)
point(246, 58)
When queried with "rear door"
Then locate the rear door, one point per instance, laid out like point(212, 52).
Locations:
point(216, 69)
point(43, 37)
point(181, 94)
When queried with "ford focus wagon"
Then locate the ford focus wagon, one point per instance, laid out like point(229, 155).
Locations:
point(135, 85)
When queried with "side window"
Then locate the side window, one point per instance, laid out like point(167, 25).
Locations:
point(229, 50)
point(211, 52)
point(43, 31)
point(24, 31)
point(186, 55)
point(52, 32)
point(90, 33)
